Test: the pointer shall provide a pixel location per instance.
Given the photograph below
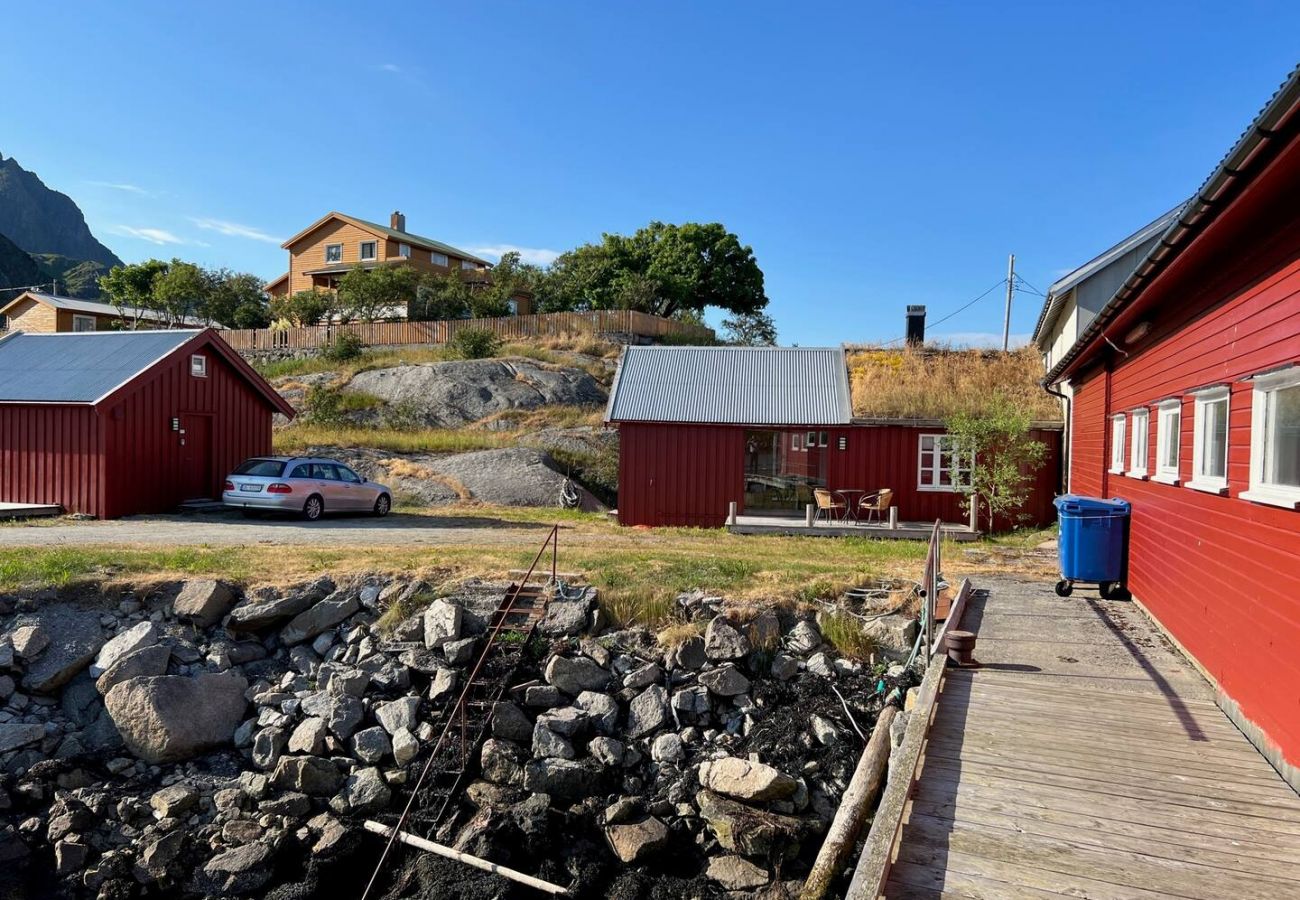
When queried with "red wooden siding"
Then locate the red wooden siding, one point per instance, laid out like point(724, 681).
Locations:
point(688, 474)
point(51, 454)
point(1222, 574)
point(143, 454)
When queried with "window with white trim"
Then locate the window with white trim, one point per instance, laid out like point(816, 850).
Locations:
point(83, 323)
point(1117, 446)
point(369, 249)
point(1210, 441)
point(404, 251)
point(1275, 439)
point(796, 442)
point(939, 466)
point(438, 259)
point(1137, 461)
point(333, 253)
point(467, 264)
point(199, 365)
point(1169, 426)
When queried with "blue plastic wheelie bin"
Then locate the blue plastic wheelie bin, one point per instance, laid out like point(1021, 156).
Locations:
point(1093, 543)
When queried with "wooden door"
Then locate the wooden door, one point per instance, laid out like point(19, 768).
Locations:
point(197, 479)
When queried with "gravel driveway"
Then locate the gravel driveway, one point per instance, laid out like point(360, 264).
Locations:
point(233, 530)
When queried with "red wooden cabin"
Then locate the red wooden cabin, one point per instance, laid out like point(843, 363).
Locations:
point(115, 423)
point(1187, 403)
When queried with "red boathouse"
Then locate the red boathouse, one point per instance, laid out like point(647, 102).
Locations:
point(1186, 392)
point(113, 423)
point(703, 427)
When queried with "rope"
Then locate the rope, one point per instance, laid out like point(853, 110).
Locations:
point(569, 498)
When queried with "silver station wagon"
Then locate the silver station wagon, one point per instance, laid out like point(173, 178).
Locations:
point(307, 486)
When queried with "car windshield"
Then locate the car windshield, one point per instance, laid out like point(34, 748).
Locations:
point(265, 468)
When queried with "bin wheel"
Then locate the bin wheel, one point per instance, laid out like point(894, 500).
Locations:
point(1104, 588)
point(1064, 588)
point(1113, 590)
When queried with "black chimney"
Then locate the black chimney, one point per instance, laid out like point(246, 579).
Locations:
point(915, 325)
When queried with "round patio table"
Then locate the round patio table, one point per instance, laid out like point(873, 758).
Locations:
point(851, 496)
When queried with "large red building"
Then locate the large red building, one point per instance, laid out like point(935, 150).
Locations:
point(114, 423)
point(703, 427)
point(1186, 402)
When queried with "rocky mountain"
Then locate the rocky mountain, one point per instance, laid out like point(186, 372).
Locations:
point(17, 269)
point(41, 220)
point(75, 277)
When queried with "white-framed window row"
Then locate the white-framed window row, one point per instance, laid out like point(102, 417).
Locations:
point(1140, 422)
point(1210, 439)
point(1169, 435)
point(1118, 447)
point(368, 250)
point(333, 253)
point(940, 467)
point(1275, 439)
point(83, 323)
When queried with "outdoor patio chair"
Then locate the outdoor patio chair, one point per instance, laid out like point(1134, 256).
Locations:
point(827, 506)
point(875, 505)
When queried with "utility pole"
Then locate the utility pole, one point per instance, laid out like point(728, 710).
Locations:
point(1011, 286)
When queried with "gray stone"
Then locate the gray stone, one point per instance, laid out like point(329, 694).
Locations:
point(622, 810)
point(6, 654)
point(309, 736)
point(746, 780)
point(174, 801)
point(691, 703)
point(370, 745)
point(348, 682)
point(725, 681)
point(460, 652)
point(342, 715)
point(601, 710)
point(70, 857)
point(421, 660)
point(894, 635)
point(667, 748)
point(405, 746)
point(264, 613)
point(824, 731)
point(784, 667)
point(735, 873)
point(549, 745)
point(745, 829)
point(324, 615)
point(502, 762)
point(511, 476)
point(203, 602)
point(803, 638)
point(764, 630)
point(442, 622)
point(75, 636)
point(648, 712)
point(308, 774)
point(690, 654)
point(29, 640)
point(168, 718)
point(820, 664)
point(401, 713)
point(563, 778)
point(543, 696)
point(723, 642)
point(267, 747)
point(509, 723)
point(564, 618)
point(159, 855)
point(635, 841)
point(241, 870)
point(606, 750)
point(151, 660)
point(573, 676)
point(443, 684)
point(567, 720)
point(13, 735)
point(7, 687)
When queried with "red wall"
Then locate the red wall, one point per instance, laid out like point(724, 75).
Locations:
point(50, 454)
point(1222, 574)
point(687, 474)
point(144, 455)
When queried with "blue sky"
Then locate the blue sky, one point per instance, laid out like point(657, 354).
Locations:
point(872, 154)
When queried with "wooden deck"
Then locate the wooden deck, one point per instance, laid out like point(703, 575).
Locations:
point(29, 510)
point(798, 527)
point(1086, 758)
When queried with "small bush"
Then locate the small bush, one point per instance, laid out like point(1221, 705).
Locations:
point(330, 405)
point(345, 347)
point(404, 415)
point(474, 343)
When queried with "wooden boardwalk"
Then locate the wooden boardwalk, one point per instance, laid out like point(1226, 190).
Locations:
point(1087, 758)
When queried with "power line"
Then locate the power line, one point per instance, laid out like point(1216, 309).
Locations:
point(30, 287)
point(1001, 282)
point(1032, 289)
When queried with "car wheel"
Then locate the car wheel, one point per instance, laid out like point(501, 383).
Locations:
point(383, 505)
point(313, 508)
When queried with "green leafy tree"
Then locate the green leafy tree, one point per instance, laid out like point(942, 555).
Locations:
point(755, 329)
point(440, 296)
point(1004, 458)
point(369, 295)
point(181, 291)
point(236, 300)
point(303, 308)
point(130, 289)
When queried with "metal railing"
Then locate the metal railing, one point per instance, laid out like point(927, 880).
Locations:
point(930, 583)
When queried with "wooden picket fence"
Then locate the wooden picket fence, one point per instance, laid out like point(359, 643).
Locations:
point(390, 334)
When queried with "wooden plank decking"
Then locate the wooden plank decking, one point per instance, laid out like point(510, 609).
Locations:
point(1087, 758)
point(795, 526)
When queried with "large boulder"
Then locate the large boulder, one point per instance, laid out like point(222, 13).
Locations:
point(14, 735)
point(573, 676)
point(635, 841)
point(723, 642)
point(259, 614)
point(310, 775)
point(203, 602)
point(75, 638)
point(442, 621)
point(648, 712)
point(137, 637)
point(894, 635)
point(725, 681)
point(746, 780)
point(168, 718)
point(150, 660)
point(744, 829)
point(564, 778)
point(321, 617)
point(512, 476)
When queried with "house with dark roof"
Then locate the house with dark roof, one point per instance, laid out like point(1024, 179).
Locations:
point(765, 429)
point(326, 250)
point(36, 312)
point(112, 423)
point(1185, 390)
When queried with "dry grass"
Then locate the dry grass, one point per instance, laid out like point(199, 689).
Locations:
point(934, 383)
point(302, 435)
point(844, 632)
point(672, 636)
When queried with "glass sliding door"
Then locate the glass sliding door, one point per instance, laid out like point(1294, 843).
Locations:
point(781, 470)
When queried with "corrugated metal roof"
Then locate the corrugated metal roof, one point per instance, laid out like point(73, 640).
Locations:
point(732, 386)
point(78, 367)
point(93, 307)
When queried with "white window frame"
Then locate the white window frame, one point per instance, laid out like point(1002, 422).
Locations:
point(332, 247)
point(1118, 443)
point(374, 250)
point(76, 320)
point(1169, 409)
point(404, 251)
point(439, 259)
point(1261, 491)
point(199, 365)
point(959, 475)
point(796, 442)
point(1139, 443)
point(1212, 484)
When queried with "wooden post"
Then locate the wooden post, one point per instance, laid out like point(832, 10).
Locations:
point(731, 513)
point(809, 515)
point(468, 860)
point(854, 806)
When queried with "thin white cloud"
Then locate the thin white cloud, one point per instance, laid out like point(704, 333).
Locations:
point(122, 186)
point(391, 67)
point(160, 236)
point(234, 229)
point(537, 255)
point(982, 340)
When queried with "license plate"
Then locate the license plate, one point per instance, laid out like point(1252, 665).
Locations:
point(251, 488)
